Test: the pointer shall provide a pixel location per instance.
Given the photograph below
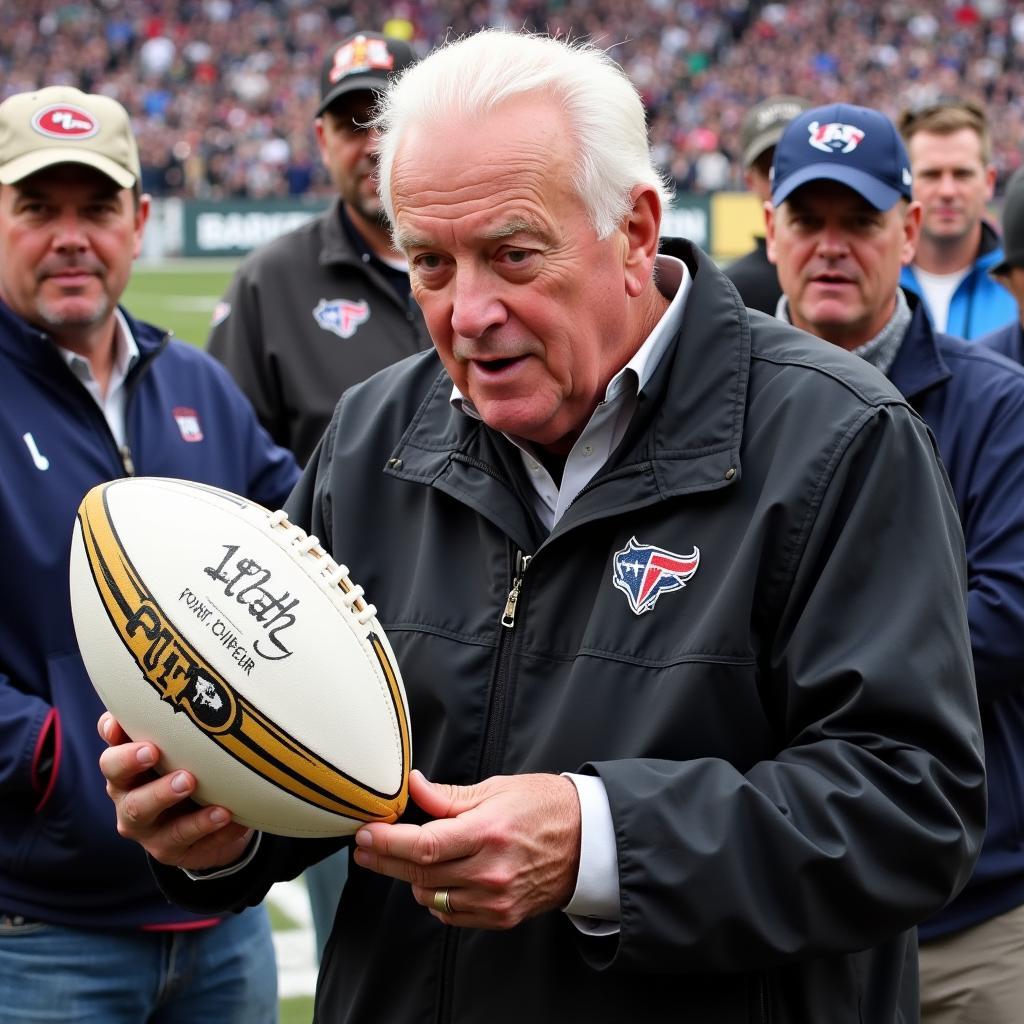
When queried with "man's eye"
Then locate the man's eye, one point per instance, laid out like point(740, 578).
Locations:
point(517, 257)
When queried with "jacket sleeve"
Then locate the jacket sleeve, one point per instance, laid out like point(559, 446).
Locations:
point(870, 815)
point(236, 340)
point(993, 520)
point(269, 470)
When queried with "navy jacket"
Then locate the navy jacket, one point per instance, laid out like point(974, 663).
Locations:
point(1009, 341)
point(973, 400)
point(61, 859)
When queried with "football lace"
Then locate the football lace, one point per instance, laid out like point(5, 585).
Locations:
point(336, 575)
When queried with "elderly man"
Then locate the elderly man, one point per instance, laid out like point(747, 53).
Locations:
point(841, 226)
point(651, 566)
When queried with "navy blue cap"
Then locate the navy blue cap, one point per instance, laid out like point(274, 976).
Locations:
point(856, 146)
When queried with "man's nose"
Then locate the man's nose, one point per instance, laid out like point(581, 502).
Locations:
point(476, 305)
point(832, 242)
point(69, 233)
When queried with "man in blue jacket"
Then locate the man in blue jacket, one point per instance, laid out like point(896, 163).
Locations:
point(841, 226)
point(951, 160)
point(87, 393)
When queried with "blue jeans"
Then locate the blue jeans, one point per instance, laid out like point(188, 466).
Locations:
point(226, 974)
point(324, 881)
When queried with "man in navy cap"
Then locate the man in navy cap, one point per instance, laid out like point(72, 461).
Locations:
point(841, 225)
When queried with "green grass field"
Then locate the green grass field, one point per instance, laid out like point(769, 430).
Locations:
point(179, 295)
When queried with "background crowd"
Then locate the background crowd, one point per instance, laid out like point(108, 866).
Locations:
point(221, 92)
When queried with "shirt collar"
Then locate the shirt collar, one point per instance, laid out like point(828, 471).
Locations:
point(126, 353)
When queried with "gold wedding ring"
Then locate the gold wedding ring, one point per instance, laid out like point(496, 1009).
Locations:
point(442, 904)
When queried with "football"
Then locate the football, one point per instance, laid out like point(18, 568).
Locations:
point(225, 635)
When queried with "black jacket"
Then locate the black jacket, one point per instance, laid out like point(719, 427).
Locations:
point(305, 317)
point(789, 742)
point(756, 279)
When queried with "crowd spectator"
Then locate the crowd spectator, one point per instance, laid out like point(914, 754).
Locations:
point(222, 92)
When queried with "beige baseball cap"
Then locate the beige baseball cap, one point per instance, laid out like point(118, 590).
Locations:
point(58, 125)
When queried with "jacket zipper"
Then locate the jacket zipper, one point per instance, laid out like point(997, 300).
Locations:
point(508, 619)
point(490, 757)
point(140, 369)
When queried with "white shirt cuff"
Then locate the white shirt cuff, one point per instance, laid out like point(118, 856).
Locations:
point(231, 869)
point(594, 907)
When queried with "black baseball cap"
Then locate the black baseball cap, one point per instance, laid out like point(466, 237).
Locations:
point(856, 146)
point(1013, 224)
point(363, 60)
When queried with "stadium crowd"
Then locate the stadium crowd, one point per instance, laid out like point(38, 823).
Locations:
point(221, 92)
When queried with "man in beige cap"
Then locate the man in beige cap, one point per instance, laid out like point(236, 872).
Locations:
point(88, 393)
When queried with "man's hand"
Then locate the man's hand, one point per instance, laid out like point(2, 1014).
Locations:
point(155, 810)
point(505, 849)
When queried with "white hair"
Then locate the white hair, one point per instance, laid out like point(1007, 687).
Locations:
point(470, 77)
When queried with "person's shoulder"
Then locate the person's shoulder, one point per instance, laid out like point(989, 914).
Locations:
point(781, 350)
point(397, 388)
point(178, 353)
point(285, 250)
point(981, 374)
point(976, 357)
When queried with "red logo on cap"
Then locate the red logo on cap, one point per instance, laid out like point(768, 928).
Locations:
point(361, 54)
point(65, 121)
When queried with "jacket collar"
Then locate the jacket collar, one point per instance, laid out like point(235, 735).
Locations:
point(335, 246)
point(685, 436)
point(919, 364)
point(29, 345)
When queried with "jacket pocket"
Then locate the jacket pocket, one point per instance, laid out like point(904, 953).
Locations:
point(74, 834)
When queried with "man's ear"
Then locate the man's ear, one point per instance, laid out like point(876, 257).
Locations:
point(769, 231)
point(641, 228)
point(911, 232)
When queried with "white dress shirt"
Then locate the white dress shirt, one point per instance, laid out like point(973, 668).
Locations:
point(112, 404)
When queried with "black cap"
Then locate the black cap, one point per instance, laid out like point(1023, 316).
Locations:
point(1013, 224)
point(363, 60)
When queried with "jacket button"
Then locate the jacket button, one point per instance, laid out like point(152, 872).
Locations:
point(395, 463)
point(730, 472)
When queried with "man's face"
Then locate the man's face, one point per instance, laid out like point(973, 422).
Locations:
point(951, 182)
point(68, 236)
point(349, 152)
point(839, 259)
point(526, 307)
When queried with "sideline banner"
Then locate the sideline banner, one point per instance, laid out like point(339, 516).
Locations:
point(233, 227)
